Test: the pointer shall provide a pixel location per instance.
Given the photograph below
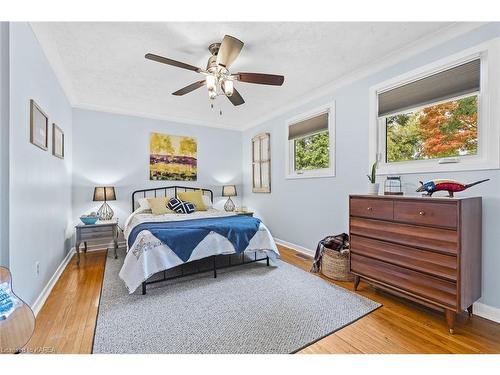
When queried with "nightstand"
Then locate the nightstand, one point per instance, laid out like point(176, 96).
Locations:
point(97, 231)
point(246, 213)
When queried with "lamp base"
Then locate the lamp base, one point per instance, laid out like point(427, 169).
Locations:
point(229, 206)
point(105, 212)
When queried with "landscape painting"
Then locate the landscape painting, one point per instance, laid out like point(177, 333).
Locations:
point(172, 157)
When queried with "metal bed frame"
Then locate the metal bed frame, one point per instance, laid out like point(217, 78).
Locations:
point(156, 192)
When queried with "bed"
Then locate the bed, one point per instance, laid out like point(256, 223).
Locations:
point(170, 246)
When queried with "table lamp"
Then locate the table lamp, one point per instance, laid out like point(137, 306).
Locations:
point(229, 191)
point(104, 193)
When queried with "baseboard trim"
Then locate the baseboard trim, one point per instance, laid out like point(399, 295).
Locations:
point(300, 249)
point(487, 311)
point(102, 246)
point(40, 301)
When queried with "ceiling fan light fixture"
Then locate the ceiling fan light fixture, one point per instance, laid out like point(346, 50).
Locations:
point(228, 87)
point(211, 83)
point(212, 94)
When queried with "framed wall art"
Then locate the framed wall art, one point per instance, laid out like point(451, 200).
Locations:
point(57, 141)
point(39, 126)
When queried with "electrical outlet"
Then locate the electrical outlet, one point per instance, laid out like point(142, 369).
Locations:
point(37, 268)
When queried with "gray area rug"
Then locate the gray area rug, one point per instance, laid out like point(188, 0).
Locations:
point(247, 309)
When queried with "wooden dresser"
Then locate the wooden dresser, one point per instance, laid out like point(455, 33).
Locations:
point(425, 249)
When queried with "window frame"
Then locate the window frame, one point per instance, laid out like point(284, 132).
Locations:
point(487, 156)
point(290, 172)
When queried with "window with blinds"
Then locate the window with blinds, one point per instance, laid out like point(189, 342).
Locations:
point(433, 117)
point(310, 146)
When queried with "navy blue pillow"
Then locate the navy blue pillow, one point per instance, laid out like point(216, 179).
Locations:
point(181, 207)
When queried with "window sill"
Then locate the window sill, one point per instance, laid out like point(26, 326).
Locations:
point(435, 167)
point(309, 175)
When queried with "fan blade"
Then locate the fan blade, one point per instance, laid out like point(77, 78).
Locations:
point(168, 61)
point(236, 98)
point(260, 78)
point(229, 50)
point(188, 89)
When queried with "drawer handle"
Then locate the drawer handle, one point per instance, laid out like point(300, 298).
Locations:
point(421, 213)
point(369, 209)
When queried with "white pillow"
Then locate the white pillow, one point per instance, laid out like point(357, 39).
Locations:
point(143, 203)
point(206, 201)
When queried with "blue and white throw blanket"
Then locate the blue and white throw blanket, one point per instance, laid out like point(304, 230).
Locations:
point(161, 242)
point(183, 236)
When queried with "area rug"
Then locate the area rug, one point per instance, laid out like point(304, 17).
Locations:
point(246, 309)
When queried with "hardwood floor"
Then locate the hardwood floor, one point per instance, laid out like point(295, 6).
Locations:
point(66, 322)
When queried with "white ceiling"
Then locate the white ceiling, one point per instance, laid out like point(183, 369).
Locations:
point(102, 66)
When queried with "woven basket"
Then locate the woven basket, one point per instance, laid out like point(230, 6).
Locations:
point(335, 265)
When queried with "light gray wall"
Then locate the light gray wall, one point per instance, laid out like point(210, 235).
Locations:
point(40, 183)
point(111, 149)
point(304, 211)
point(4, 143)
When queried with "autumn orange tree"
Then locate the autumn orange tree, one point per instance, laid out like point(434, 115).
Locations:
point(449, 129)
point(442, 130)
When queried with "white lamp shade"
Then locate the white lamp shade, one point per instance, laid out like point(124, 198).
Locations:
point(229, 191)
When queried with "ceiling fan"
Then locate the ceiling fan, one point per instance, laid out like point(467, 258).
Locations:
point(218, 79)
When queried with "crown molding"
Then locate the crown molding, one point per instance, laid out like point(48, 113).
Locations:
point(152, 116)
point(418, 46)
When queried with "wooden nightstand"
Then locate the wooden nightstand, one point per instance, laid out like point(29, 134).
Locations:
point(247, 213)
point(97, 231)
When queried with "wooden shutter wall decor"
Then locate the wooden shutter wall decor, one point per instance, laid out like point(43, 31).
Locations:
point(261, 163)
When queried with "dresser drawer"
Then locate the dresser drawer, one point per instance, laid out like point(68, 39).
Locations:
point(429, 287)
point(436, 239)
point(426, 213)
point(372, 208)
point(432, 263)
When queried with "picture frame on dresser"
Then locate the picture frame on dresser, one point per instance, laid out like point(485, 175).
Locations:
point(427, 250)
point(39, 126)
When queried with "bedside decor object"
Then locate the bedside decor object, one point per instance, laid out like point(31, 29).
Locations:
point(393, 186)
point(373, 186)
point(39, 126)
point(104, 193)
point(229, 191)
point(89, 219)
point(172, 157)
point(426, 250)
point(261, 163)
point(57, 142)
point(96, 232)
point(451, 186)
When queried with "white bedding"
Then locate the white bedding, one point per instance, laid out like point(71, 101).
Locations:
point(148, 255)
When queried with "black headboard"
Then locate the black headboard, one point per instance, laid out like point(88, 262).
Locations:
point(163, 192)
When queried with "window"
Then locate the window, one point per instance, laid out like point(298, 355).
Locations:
point(443, 130)
point(310, 145)
point(261, 163)
point(437, 118)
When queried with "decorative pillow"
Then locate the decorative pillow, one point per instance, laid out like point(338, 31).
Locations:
point(180, 206)
point(159, 205)
point(195, 197)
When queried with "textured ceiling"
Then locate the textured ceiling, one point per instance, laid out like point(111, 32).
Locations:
point(102, 65)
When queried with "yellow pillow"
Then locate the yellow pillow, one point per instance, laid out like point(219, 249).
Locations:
point(159, 205)
point(195, 197)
